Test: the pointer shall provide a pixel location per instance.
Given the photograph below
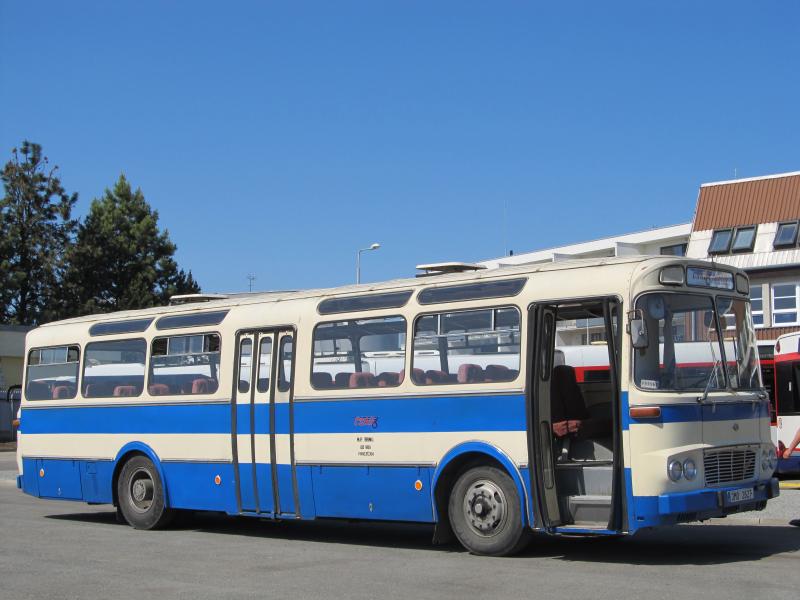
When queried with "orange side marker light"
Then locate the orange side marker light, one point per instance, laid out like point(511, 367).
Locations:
point(418, 485)
point(218, 480)
point(645, 412)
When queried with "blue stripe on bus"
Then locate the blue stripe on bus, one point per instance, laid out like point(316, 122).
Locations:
point(707, 412)
point(388, 415)
point(171, 418)
point(462, 413)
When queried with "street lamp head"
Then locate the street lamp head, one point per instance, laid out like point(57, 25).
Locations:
point(374, 246)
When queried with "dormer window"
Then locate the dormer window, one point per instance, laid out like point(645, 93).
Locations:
point(786, 237)
point(744, 239)
point(721, 241)
point(740, 239)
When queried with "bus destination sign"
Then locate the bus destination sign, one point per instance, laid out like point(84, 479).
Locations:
point(710, 278)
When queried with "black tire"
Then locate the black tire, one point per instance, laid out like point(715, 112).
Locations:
point(485, 515)
point(140, 494)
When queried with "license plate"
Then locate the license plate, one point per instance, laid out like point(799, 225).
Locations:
point(741, 495)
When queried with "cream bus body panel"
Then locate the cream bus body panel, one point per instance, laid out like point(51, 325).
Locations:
point(689, 427)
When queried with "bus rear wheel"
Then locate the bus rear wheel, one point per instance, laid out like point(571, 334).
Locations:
point(485, 513)
point(140, 494)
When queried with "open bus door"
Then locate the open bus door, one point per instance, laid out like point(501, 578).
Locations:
point(577, 476)
point(543, 326)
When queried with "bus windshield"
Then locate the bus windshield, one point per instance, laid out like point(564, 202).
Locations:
point(684, 351)
point(740, 344)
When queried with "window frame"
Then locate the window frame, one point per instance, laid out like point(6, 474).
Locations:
point(683, 246)
point(203, 318)
point(433, 295)
point(336, 305)
point(256, 360)
point(149, 358)
point(791, 244)
point(753, 311)
point(238, 374)
point(744, 249)
point(719, 330)
point(776, 311)
point(39, 349)
point(112, 397)
point(730, 231)
point(284, 383)
point(104, 328)
point(410, 356)
point(350, 320)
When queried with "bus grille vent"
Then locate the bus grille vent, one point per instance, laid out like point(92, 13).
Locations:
point(729, 465)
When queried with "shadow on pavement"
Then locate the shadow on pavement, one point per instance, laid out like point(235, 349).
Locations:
point(682, 545)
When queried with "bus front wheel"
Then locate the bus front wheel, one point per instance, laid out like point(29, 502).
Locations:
point(140, 494)
point(485, 513)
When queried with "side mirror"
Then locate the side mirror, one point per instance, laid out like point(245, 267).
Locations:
point(638, 329)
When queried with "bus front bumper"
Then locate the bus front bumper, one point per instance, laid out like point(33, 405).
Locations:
point(718, 502)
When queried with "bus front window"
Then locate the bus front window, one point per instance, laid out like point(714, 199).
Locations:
point(684, 351)
point(740, 343)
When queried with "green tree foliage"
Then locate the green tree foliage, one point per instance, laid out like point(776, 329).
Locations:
point(36, 228)
point(121, 259)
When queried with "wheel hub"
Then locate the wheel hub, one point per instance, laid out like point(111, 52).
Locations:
point(485, 508)
point(141, 488)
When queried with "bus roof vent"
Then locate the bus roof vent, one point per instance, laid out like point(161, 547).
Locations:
point(447, 267)
point(193, 298)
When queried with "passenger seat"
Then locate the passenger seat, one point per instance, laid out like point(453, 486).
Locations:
point(363, 380)
point(321, 380)
point(469, 373)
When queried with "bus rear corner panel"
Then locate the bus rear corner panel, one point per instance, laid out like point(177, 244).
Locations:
point(68, 479)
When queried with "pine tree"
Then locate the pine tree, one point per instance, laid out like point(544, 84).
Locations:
point(36, 228)
point(121, 259)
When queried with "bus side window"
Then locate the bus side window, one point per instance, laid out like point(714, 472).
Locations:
point(264, 364)
point(285, 364)
point(52, 373)
point(360, 353)
point(467, 346)
point(114, 369)
point(245, 359)
point(184, 365)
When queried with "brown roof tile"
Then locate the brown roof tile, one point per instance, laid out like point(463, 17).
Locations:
point(749, 201)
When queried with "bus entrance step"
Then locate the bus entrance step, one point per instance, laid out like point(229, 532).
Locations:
point(589, 509)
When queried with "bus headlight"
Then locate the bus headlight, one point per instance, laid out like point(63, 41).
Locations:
point(675, 470)
point(689, 469)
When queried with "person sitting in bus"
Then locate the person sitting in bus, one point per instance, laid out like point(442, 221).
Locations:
point(570, 417)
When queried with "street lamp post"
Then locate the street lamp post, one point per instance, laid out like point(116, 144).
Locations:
point(358, 260)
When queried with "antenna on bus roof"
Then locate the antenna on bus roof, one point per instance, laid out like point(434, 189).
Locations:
point(193, 298)
point(447, 267)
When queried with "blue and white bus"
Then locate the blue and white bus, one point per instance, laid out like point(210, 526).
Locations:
point(313, 405)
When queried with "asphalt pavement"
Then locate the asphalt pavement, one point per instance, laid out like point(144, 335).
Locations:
point(52, 549)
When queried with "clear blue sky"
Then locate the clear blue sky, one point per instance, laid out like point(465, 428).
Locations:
point(279, 137)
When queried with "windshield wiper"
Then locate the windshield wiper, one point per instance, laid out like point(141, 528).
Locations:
point(712, 375)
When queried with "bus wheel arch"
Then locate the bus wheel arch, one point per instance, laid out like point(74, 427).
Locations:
point(455, 463)
point(126, 453)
